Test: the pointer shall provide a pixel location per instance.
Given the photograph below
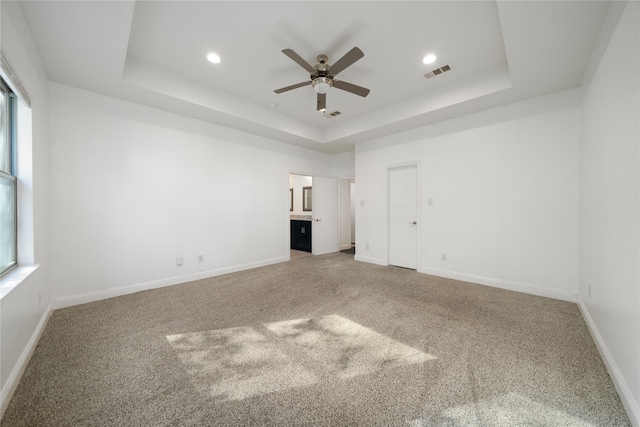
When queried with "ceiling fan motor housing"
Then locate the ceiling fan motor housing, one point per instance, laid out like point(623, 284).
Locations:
point(322, 80)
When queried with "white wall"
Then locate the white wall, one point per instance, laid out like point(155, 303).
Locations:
point(610, 200)
point(24, 310)
point(133, 188)
point(344, 165)
point(504, 190)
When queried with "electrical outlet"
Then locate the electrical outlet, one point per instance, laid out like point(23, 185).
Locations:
point(443, 257)
point(179, 261)
point(200, 258)
point(366, 246)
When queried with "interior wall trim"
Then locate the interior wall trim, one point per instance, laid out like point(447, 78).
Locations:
point(16, 374)
point(370, 260)
point(71, 300)
point(13, 78)
point(626, 397)
point(526, 288)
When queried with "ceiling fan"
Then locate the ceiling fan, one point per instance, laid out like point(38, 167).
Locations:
point(322, 75)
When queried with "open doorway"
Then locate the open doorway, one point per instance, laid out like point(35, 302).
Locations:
point(347, 215)
point(353, 213)
point(300, 215)
point(320, 214)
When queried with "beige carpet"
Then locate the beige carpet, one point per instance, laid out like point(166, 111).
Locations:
point(318, 341)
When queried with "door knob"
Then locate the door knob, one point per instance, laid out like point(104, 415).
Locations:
point(413, 222)
point(317, 220)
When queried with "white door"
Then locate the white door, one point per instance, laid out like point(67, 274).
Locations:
point(403, 217)
point(325, 236)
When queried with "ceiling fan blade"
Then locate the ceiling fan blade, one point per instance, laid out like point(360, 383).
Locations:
point(298, 59)
point(296, 86)
point(322, 101)
point(349, 58)
point(350, 87)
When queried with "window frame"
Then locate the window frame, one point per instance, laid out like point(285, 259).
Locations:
point(10, 175)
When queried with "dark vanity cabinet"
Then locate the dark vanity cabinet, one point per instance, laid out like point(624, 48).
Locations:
point(301, 235)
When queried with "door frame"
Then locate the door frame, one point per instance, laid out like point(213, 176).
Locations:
point(387, 198)
point(288, 233)
point(288, 213)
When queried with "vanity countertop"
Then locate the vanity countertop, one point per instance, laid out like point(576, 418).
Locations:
point(301, 217)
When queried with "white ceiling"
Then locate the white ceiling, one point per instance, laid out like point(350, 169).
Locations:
point(153, 53)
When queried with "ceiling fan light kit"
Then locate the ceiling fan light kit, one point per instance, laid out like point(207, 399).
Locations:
point(213, 57)
point(322, 75)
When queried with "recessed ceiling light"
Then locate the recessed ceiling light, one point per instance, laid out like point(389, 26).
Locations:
point(212, 57)
point(429, 59)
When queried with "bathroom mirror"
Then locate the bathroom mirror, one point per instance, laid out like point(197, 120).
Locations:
point(306, 199)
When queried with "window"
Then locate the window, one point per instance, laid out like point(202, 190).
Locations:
point(8, 181)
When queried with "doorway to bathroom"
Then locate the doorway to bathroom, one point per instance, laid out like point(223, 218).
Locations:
point(315, 215)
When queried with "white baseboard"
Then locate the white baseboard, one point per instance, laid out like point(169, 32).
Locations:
point(370, 260)
point(71, 300)
point(16, 374)
point(499, 283)
point(483, 280)
point(345, 247)
point(626, 397)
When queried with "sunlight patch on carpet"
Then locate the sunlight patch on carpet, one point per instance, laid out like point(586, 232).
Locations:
point(238, 363)
point(506, 410)
point(346, 348)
